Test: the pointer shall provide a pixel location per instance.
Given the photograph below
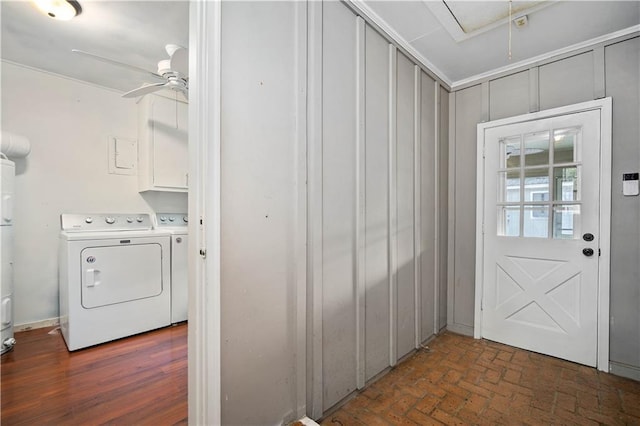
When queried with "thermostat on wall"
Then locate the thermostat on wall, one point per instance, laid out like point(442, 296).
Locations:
point(630, 184)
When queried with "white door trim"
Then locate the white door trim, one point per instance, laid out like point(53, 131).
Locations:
point(604, 106)
point(204, 210)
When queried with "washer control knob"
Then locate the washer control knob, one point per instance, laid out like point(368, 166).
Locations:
point(163, 219)
point(185, 219)
point(110, 220)
point(139, 219)
point(89, 220)
point(129, 220)
point(171, 218)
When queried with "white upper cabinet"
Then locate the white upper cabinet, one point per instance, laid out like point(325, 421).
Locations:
point(163, 145)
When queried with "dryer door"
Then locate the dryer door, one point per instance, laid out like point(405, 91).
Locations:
point(118, 274)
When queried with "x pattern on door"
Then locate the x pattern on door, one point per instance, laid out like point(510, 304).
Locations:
point(538, 293)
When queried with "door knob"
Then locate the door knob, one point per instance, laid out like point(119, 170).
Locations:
point(587, 252)
point(588, 237)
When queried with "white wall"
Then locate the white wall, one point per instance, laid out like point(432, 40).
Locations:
point(259, 190)
point(68, 123)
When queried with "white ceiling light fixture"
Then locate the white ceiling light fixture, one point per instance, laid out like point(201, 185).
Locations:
point(62, 10)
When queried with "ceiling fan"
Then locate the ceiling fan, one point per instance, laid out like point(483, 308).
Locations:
point(174, 72)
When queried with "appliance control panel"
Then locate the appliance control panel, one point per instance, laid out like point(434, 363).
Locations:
point(172, 220)
point(105, 222)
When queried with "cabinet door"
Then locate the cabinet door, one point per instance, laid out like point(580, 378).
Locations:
point(169, 140)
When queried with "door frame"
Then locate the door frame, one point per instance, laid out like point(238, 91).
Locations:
point(604, 260)
point(204, 334)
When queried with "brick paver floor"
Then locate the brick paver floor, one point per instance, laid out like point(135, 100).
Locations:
point(462, 381)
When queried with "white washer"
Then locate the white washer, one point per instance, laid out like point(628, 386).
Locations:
point(114, 278)
point(176, 224)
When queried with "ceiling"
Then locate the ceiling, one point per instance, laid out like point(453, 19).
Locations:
point(558, 25)
point(135, 32)
point(473, 16)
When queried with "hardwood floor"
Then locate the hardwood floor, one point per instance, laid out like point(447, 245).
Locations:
point(138, 380)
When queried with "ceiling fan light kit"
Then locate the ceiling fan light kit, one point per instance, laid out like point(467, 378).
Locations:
point(62, 10)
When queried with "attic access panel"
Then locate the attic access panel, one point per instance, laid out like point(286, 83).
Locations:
point(465, 19)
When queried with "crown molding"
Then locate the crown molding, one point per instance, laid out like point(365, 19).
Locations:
point(545, 57)
point(370, 15)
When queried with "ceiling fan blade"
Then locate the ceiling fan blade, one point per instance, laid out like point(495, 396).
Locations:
point(143, 90)
point(180, 60)
point(170, 48)
point(117, 63)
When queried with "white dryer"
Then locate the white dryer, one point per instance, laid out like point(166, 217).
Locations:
point(176, 224)
point(114, 278)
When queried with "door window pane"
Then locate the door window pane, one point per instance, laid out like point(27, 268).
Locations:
point(509, 221)
point(510, 152)
point(566, 183)
point(539, 184)
point(509, 186)
point(536, 221)
point(566, 221)
point(565, 145)
point(536, 149)
point(536, 181)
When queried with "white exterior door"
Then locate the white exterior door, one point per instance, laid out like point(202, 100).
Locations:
point(539, 257)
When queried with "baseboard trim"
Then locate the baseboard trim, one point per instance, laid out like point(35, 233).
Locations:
point(624, 370)
point(51, 322)
point(460, 329)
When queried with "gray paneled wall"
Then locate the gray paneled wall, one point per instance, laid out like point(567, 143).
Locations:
point(338, 202)
point(467, 109)
point(509, 95)
point(567, 81)
point(377, 312)
point(428, 204)
point(622, 62)
point(605, 70)
point(405, 232)
point(379, 150)
point(442, 221)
